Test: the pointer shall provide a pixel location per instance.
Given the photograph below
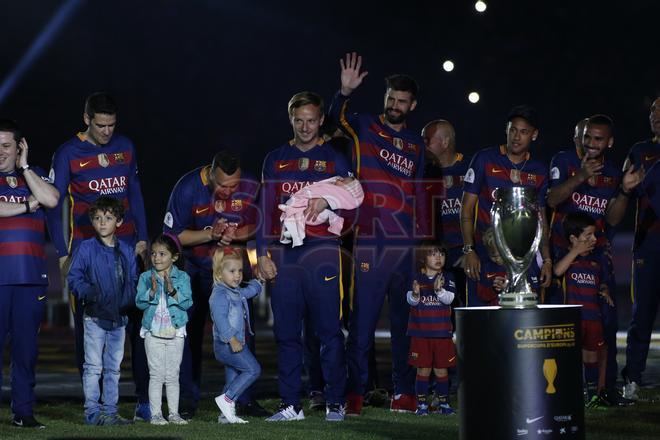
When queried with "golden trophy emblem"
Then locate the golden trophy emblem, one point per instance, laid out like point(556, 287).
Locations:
point(550, 373)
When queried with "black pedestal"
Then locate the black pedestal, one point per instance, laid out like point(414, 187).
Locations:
point(520, 373)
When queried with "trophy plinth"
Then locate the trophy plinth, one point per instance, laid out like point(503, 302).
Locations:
point(517, 228)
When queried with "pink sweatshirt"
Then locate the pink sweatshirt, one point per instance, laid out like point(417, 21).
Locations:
point(293, 220)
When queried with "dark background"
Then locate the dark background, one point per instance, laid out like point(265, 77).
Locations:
point(194, 76)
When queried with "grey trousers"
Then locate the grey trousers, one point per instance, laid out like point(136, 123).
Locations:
point(164, 359)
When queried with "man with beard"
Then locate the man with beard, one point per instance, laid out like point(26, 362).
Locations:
point(641, 181)
point(502, 166)
point(584, 180)
point(306, 278)
point(389, 161)
point(443, 172)
point(99, 162)
point(209, 206)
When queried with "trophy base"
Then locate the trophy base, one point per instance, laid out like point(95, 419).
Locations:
point(518, 300)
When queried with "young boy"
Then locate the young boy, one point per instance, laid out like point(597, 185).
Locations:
point(430, 328)
point(584, 281)
point(103, 276)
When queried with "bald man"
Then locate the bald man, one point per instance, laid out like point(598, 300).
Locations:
point(445, 169)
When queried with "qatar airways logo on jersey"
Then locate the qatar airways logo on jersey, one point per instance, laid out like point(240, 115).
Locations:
point(13, 199)
point(292, 187)
point(108, 185)
point(398, 162)
point(590, 204)
point(451, 206)
point(584, 278)
point(430, 300)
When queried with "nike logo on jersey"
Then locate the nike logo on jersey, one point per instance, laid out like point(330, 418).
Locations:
point(200, 210)
point(383, 135)
point(41, 298)
point(84, 164)
point(495, 170)
point(430, 186)
point(528, 420)
point(330, 278)
point(649, 158)
point(491, 275)
point(451, 359)
point(282, 165)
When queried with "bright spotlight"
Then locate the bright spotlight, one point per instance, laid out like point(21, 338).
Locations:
point(480, 6)
point(448, 65)
point(473, 97)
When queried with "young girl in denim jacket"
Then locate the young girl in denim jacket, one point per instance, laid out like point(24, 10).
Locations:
point(230, 315)
point(164, 294)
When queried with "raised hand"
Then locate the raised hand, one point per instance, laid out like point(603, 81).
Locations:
point(168, 283)
point(590, 167)
point(21, 158)
point(439, 283)
point(415, 290)
point(154, 285)
point(632, 178)
point(351, 77)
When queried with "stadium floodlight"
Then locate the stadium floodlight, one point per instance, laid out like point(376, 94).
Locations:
point(473, 97)
point(480, 6)
point(448, 65)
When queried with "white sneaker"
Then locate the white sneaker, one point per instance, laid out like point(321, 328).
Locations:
point(176, 419)
point(287, 413)
point(631, 391)
point(228, 409)
point(158, 419)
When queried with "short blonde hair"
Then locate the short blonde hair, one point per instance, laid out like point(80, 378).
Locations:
point(220, 256)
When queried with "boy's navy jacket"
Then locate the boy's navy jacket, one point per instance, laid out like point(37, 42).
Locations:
point(103, 278)
point(229, 310)
point(176, 305)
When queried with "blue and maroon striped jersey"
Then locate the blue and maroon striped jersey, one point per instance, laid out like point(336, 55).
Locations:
point(491, 169)
point(286, 170)
point(430, 318)
point(444, 185)
point(191, 207)
point(647, 220)
point(591, 197)
point(582, 282)
point(390, 166)
point(21, 236)
point(82, 172)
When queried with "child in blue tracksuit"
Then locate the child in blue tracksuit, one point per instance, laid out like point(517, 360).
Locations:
point(102, 277)
point(164, 293)
point(230, 315)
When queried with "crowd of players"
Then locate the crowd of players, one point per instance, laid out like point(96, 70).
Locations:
point(415, 187)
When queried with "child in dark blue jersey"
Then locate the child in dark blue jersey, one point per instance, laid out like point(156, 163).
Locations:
point(103, 275)
point(231, 323)
point(584, 283)
point(430, 328)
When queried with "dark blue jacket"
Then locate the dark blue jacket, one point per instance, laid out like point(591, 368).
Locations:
point(103, 278)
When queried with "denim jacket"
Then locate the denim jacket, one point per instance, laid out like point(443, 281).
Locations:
point(229, 310)
point(176, 305)
point(103, 278)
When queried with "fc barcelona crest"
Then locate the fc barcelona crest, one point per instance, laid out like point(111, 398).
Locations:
point(12, 181)
point(103, 160)
point(448, 181)
point(119, 157)
point(303, 164)
point(320, 165)
point(364, 267)
point(398, 142)
point(236, 205)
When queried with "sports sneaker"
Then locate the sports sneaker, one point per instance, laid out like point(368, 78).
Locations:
point(354, 403)
point(614, 398)
point(228, 408)
point(445, 409)
point(158, 419)
point(316, 400)
point(93, 419)
point(113, 419)
point(422, 409)
point(176, 419)
point(631, 391)
point(142, 412)
point(334, 412)
point(26, 422)
point(286, 413)
point(596, 403)
point(222, 419)
point(403, 403)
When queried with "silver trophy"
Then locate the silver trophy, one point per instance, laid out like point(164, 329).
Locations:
point(517, 227)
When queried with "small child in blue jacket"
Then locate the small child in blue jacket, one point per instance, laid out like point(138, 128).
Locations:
point(164, 293)
point(230, 315)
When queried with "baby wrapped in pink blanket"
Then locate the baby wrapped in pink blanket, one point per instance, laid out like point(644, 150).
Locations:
point(339, 192)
